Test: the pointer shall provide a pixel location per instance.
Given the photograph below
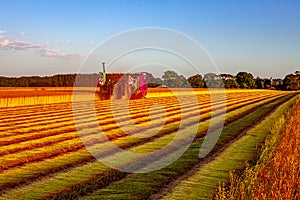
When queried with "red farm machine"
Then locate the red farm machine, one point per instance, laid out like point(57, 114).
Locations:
point(123, 86)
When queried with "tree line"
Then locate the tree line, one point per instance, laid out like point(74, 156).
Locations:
point(169, 79)
point(240, 80)
point(61, 80)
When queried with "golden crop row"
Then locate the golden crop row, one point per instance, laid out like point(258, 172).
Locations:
point(13, 159)
point(44, 134)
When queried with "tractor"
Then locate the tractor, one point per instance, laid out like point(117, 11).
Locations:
point(123, 86)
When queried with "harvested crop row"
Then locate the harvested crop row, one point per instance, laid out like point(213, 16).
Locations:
point(56, 114)
point(44, 118)
point(69, 123)
point(27, 111)
point(141, 186)
point(234, 115)
point(73, 135)
point(36, 154)
point(231, 159)
point(37, 116)
point(6, 178)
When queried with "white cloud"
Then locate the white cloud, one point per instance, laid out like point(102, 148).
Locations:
point(1, 34)
point(22, 33)
point(42, 49)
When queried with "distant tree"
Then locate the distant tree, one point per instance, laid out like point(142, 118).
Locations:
point(229, 81)
point(183, 82)
point(173, 80)
point(245, 80)
point(196, 81)
point(291, 82)
point(259, 83)
point(278, 83)
point(154, 82)
point(267, 83)
point(226, 76)
point(212, 80)
point(39, 84)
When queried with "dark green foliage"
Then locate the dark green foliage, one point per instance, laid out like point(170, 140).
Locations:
point(154, 82)
point(277, 83)
point(292, 82)
point(259, 83)
point(61, 80)
point(229, 81)
point(245, 80)
point(212, 80)
point(170, 79)
point(268, 83)
point(173, 80)
point(196, 81)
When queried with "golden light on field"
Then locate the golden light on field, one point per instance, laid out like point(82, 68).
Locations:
point(40, 145)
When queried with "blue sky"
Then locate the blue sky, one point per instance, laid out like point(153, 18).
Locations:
point(52, 37)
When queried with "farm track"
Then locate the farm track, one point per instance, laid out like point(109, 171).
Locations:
point(234, 101)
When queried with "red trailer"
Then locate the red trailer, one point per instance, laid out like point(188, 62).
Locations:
point(123, 86)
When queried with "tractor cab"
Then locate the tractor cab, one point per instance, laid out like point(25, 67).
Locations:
point(123, 86)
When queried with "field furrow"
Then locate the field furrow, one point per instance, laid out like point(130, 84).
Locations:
point(236, 109)
point(36, 154)
point(233, 158)
point(142, 186)
point(46, 148)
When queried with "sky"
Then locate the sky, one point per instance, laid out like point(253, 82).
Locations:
point(57, 37)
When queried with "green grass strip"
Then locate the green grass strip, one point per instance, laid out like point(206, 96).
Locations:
point(142, 186)
point(15, 176)
point(204, 182)
point(82, 179)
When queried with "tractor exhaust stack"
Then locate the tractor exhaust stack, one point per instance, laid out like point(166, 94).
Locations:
point(103, 64)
